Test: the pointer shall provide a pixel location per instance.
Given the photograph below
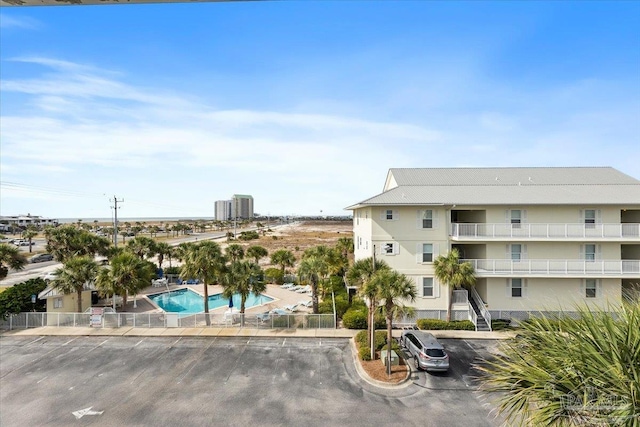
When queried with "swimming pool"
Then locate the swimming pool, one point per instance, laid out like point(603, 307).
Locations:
point(186, 301)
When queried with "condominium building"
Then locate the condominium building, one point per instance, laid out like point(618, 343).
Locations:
point(242, 206)
point(223, 210)
point(539, 239)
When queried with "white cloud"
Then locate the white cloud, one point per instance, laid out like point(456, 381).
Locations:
point(20, 22)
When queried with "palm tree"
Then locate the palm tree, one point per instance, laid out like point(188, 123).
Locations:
point(393, 288)
point(256, 252)
point(244, 278)
point(66, 242)
point(450, 271)
point(203, 261)
point(360, 275)
point(234, 252)
point(128, 275)
point(75, 275)
point(570, 371)
point(10, 257)
point(284, 258)
point(345, 246)
point(142, 246)
point(163, 249)
point(29, 234)
point(315, 268)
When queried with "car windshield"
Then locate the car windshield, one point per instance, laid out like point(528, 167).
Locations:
point(435, 352)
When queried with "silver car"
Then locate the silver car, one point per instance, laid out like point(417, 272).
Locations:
point(427, 352)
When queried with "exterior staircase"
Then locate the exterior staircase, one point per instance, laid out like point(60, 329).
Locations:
point(481, 324)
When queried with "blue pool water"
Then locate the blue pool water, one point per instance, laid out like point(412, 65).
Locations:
point(186, 301)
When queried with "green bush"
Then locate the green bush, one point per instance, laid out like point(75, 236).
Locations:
point(273, 275)
point(248, 235)
point(362, 340)
point(171, 270)
point(438, 325)
point(17, 298)
point(501, 324)
point(284, 321)
point(355, 319)
point(365, 353)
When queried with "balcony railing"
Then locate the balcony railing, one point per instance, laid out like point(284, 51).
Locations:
point(557, 267)
point(500, 231)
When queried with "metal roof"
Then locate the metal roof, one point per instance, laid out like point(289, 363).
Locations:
point(508, 186)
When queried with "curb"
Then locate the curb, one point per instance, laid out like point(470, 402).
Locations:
point(381, 384)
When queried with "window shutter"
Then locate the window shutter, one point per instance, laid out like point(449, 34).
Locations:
point(525, 287)
point(419, 219)
point(396, 216)
point(383, 214)
point(419, 253)
point(599, 252)
point(599, 216)
point(581, 215)
point(508, 251)
point(436, 288)
point(583, 288)
point(581, 252)
point(598, 288)
point(435, 218)
point(524, 215)
point(523, 255)
point(508, 290)
point(507, 216)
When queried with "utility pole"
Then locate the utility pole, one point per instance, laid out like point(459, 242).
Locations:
point(115, 234)
point(115, 220)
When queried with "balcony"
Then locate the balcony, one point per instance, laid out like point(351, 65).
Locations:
point(555, 268)
point(626, 232)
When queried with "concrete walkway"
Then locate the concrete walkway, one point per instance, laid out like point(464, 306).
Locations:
point(234, 332)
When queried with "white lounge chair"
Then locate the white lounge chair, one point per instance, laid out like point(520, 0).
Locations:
point(303, 290)
point(287, 286)
point(295, 288)
point(291, 307)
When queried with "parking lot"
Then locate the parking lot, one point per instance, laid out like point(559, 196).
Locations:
point(158, 381)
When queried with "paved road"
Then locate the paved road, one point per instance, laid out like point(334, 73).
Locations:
point(158, 381)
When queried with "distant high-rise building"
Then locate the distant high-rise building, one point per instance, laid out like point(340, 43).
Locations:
point(243, 205)
point(223, 210)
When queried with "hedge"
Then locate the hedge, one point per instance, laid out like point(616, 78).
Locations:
point(436, 325)
point(17, 298)
point(357, 319)
point(362, 340)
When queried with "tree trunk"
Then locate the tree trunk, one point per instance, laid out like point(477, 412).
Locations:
point(372, 328)
point(242, 301)
point(79, 293)
point(314, 296)
point(389, 337)
point(450, 306)
point(30, 246)
point(207, 317)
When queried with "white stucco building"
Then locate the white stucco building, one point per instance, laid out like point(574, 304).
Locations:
point(540, 239)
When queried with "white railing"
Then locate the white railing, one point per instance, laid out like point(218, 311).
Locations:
point(629, 231)
point(483, 310)
point(473, 317)
point(561, 267)
point(169, 320)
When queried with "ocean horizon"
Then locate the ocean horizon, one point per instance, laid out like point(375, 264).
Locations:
point(133, 219)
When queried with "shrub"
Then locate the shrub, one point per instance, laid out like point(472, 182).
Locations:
point(249, 235)
point(437, 325)
point(365, 353)
point(501, 324)
point(288, 321)
point(171, 270)
point(355, 319)
point(274, 237)
point(273, 275)
point(17, 298)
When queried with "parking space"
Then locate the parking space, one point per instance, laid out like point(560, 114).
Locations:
point(114, 381)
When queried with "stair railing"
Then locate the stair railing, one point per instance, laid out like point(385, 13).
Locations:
point(483, 310)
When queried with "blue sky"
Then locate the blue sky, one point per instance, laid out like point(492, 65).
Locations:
point(303, 105)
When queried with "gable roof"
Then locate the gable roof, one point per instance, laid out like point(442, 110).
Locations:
point(507, 186)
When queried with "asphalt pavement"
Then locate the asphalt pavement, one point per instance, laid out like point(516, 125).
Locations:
point(230, 381)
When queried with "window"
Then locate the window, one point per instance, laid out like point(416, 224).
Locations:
point(516, 218)
point(590, 288)
point(390, 248)
point(516, 288)
point(516, 252)
point(57, 303)
point(427, 287)
point(590, 218)
point(389, 214)
point(427, 219)
point(590, 252)
point(427, 252)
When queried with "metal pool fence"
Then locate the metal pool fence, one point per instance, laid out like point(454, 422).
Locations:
point(169, 320)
